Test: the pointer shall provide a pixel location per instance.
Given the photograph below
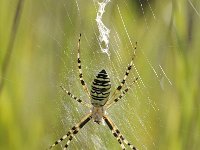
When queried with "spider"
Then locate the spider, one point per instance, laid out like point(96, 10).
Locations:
point(100, 101)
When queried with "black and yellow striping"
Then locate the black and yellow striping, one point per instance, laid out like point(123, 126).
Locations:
point(100, 89)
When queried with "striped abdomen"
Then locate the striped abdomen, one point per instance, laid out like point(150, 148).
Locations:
point(100, 89)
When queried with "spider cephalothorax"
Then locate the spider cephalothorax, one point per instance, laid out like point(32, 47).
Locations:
point(100, 101)
point(97, 114)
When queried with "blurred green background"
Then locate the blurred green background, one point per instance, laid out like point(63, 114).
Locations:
point(38, 48)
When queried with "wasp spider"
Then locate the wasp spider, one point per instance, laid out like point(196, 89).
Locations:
point(100, 101)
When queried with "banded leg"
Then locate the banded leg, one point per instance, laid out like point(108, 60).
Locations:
point(120, 96)
point(74, 130)
point(126, 141)
point(68, 142)
point(75, 98)
point(126, 74)
point(80, 69)
point(112, 126)
point(113, 130)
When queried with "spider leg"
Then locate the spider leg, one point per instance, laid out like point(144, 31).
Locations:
point(116, 132)
point(118, 89)
point(68, 142)
point(120, 96)
point(80, 69)
point(75, 98)
point(74, 130)
point(113, 129)
point(125, 140)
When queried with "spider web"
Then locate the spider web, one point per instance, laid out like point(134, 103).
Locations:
point(137, 114)
point(38, 53)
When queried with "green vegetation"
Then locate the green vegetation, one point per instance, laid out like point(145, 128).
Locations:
point(38, 45)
